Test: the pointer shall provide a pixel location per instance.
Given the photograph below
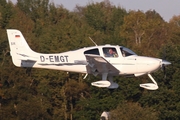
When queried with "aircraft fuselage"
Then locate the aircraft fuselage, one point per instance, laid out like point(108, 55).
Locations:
point(75, 61)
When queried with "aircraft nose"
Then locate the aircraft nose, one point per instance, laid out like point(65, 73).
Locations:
point(165, 63)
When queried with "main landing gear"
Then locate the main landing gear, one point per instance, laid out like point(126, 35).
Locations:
point(105, 83)
point(112, 85)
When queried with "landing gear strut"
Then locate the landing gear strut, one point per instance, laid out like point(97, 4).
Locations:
point(150, 86)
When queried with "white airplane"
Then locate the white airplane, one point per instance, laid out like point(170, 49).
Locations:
point(105, 60)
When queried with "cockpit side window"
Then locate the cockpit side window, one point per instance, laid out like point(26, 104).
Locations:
point(126, 52)
point(110, 52)
point(92, 51)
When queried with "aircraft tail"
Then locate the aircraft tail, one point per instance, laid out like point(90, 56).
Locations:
point(19, 49)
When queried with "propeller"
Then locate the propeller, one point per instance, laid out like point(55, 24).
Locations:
point(164, 62)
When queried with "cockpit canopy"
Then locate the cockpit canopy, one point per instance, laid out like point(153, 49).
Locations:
point(110, 51)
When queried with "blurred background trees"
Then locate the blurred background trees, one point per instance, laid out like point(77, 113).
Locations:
point(46, 94)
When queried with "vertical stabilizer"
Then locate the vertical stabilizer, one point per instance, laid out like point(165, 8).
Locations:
point(19, 48)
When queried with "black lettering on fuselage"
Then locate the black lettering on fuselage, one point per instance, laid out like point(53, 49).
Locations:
point(13, 43)
point(51, 58)
point(62, 58)
point(66, 58)
point(54, 58)
point(42, 58)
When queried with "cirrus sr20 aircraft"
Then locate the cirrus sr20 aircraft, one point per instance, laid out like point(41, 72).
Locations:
point(105, 60)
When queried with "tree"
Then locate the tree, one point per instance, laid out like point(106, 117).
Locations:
point(132, 111)
point(175, 20)
point(133, 27)
point(46, 94)
point(144, 30)
point(5, 13)
point(74, 91)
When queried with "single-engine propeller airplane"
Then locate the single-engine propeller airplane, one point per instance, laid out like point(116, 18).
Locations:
point(104, 60)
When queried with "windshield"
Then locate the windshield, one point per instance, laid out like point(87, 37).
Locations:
point(126, 52)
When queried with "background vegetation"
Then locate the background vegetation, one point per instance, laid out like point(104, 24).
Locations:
point(33, 94)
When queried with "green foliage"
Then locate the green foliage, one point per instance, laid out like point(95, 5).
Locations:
point(133, 111)
point(105, 18)
point(47, 94)
point(5, 13)
point(143, 30)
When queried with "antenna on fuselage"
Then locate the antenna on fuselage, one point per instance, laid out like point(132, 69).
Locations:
point(93, 41)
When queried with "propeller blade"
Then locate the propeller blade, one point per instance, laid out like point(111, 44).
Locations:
point(164, 63)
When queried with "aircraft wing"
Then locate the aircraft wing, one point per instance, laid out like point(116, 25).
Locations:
point(98, 65)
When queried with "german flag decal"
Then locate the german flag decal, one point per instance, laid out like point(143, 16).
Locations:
point(17, 36)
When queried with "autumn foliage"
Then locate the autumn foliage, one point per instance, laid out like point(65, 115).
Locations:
point(38, 94)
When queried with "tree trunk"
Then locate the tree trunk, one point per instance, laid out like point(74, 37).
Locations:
point(71, 115)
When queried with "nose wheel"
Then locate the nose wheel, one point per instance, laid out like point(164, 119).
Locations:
point(150, 86)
